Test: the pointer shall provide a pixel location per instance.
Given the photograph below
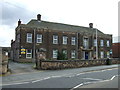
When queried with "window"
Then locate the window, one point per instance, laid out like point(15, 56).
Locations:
point(73, 40)
point(28, 53)
point(39, 38)
point(95, 42)
point(55, 39)
point(29, 37)
point(101, 43)
point(65, 52)
point(55, 53)
point(108, 43)
point(102, 54)
point(85, 43)
point(108, 54)
point(64, 39)
point(18, 38)
point(73, 54)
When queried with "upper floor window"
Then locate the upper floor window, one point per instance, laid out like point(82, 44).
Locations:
point(39, 38)
point(55, 39)
point(29, 37)
point(108, 43)
point(28, 53)
point(73, 55)
point(55, 53)
point(64, 39)
point(73, 40)
point(95, 42)
point(85, 43)
point(101, 43)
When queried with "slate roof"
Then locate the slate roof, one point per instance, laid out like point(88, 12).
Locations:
point(61, 27)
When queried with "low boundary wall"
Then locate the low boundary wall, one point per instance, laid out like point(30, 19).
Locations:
point(62, 64)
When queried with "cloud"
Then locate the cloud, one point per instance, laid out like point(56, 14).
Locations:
point(12, 12)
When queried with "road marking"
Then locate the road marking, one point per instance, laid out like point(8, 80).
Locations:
point(77, 86)
point(41, 79)
point(14, 83)
point(85, 83)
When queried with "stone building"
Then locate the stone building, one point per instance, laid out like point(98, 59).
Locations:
point(77, 42)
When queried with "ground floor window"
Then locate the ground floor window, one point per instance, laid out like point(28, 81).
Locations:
point(28, 53)
point(73, 55)
point(65, 52)
point(108, 54)
point(55, 53)
point(102, 54)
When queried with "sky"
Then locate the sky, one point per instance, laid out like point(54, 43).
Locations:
point(102, 13)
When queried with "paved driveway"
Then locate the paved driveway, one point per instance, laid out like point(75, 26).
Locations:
point(21, 67)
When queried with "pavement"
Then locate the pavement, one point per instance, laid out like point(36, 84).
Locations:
point(25, 72)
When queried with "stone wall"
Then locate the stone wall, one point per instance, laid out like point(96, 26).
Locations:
point(3, 62)
point(62, 64)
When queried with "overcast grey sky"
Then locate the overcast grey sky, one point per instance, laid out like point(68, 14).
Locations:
point(102, 13)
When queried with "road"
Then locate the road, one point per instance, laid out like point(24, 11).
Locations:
point(91, 77)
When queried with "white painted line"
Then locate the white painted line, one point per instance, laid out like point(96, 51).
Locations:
point(92, 79)
point(93, 82)
point(77, 86)
point(14, 83)
point(41, 79)
point(113, 77)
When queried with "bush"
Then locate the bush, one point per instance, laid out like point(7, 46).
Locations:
point(61, 56)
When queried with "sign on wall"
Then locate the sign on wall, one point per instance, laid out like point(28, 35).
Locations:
point(23, 50)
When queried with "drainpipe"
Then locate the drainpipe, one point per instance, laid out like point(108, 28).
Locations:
point(96, 45)
point(77, 46)
point(34, 60)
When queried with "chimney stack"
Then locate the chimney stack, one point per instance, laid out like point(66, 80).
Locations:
point(39, 17)
point(91, 25)
point(19, 22)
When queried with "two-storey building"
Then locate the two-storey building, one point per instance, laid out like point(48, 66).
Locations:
point(77, 42)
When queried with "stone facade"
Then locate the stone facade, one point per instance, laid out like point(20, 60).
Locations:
point(3, 61)
point(47, 30)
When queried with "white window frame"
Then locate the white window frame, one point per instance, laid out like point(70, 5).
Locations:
point(55, 39)
point(73, 54)
point(39, 38)
point(65, 40)
point(102, 43)
point(73, 41)
point(27, 53)
point(29, 37)
point(108, 43)
point(102, 54)
point(55, 53)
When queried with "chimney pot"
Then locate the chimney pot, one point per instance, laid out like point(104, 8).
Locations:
point(39, 17)
point(91, 25)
